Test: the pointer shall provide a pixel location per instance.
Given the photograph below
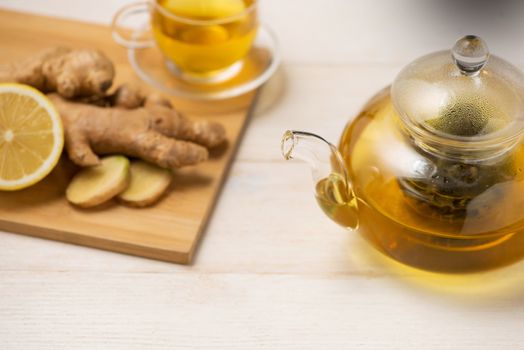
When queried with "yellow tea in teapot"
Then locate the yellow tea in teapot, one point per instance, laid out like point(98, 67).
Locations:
point(204, 36)
point(454, 217)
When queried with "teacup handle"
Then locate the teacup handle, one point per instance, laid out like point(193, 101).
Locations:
point(118, 31)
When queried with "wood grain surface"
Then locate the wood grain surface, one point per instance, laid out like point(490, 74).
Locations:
point(273, 272)
point(169, 230)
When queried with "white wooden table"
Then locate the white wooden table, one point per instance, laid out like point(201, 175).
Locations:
point(272, 271)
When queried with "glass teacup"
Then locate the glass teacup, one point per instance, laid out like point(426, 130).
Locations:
point(204, 41)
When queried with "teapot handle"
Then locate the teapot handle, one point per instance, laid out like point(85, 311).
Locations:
point(333, 189)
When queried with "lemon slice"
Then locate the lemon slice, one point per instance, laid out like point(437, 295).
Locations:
point(31, 136)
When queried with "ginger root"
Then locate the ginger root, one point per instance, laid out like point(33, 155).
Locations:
point(70, 72)
point(155, 132)
point(124, 122)
point(125, 96)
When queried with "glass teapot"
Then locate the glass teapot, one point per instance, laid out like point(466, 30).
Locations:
point(431, 170)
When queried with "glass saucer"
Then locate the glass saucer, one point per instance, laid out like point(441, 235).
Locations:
point(256, 68)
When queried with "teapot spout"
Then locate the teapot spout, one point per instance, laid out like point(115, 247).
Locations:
point(333, 189)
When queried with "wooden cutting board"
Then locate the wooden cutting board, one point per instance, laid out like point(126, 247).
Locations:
point(168, 231)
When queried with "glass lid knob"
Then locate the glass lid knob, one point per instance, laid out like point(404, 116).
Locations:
point(470, 53)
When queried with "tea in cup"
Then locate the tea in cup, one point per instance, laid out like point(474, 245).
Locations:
point(203, 40)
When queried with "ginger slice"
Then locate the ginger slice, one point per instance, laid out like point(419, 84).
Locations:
point(98, 184)
point(147, 185)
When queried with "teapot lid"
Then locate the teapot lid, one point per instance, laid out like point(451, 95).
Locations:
point(464, 94)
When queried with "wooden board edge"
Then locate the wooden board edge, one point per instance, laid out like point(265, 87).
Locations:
point(96, 242)
point(207, 216)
